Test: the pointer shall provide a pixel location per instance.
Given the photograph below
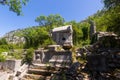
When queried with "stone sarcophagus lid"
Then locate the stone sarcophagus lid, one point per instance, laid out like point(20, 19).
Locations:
point(63, 36)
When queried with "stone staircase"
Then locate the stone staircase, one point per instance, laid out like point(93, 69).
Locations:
point(49, 64)
point(39, 72)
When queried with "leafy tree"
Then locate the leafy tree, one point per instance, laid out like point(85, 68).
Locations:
point(36, 37)
point(14, 5)
point(50, 21)
point(112, 15)
point(42, 20)
point(111, 3)
point(85, 30)
point(3, 41)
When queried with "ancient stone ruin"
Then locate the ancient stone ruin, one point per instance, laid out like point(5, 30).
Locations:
point(101, 59)
point(103, 56)
point(63, 36)
point(53, 57)
point(48, 61)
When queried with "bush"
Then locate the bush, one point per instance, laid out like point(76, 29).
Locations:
point(2, 58)
point(3, 41)
point(29, 56)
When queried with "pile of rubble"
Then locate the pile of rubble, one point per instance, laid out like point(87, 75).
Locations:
point(103, 57)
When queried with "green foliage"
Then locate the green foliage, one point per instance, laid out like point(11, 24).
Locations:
point(29, 56)
point(111, 3)
point(50, 21)
point(100, 20)
point(86, 42)
point(4, 48)
point(3, 41)
point(80, 33)
point(113, 20)
point(2, 58)
point(39, 36)
point(15, 46)
point(17, 54)
point(35, 36)
point(85, 30)
point(108, 19)
point(42, 20)
point(48, 42)
point(14, 5)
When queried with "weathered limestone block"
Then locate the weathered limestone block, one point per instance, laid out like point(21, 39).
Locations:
point(11, 65)
point(92, 29)
point(63, 36)
point(53, 57)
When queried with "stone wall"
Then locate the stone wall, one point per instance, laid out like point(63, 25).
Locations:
point(53, 57)
point(12, 65)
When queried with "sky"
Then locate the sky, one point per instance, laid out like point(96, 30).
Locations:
point(69, 9)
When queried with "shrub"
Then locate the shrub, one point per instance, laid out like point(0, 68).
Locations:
point(29, 56)
point(2, 58)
